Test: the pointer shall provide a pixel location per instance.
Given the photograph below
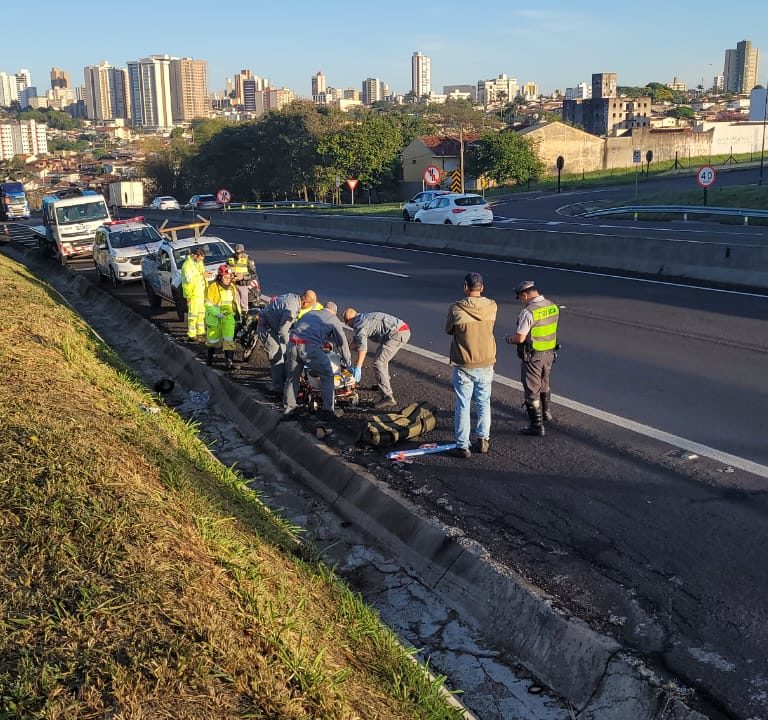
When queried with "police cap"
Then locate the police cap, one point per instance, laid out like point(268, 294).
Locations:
point(523, 286)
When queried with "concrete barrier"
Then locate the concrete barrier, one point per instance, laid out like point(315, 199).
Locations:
point(716, 262)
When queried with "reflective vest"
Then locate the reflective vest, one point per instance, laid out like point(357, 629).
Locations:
point(225, 298)
point(193, 278)
point(543, 335)
point(304, 311)
point(240, 266)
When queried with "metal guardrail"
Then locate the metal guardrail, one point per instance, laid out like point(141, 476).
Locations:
point(684, 210)
point(277, 204)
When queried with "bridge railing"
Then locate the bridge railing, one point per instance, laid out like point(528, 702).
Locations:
point(684, 210)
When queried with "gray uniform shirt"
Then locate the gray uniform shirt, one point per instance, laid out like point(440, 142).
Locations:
point(322, 326)
point(377, 326)
point(281, 312)
point(525, 319)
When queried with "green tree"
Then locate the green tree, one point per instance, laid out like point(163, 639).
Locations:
point(505, 157)
point(164, 167)
point(682, 112)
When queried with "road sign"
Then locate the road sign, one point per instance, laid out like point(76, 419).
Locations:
point(352, 184)
point(223, 196)
point(432, 175)
point(456, 181)
point(706, 176)
point(636, 158)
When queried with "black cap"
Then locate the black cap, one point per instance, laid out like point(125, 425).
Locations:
point(473, 280)
point(523, 286)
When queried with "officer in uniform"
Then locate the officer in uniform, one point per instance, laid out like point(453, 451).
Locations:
point(536, 340)
point(305, 349)
point(243, 270)
point(391, 333)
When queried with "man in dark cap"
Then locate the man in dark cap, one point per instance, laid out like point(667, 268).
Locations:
point(536, 340)
point(473, 354)
point(243, 270)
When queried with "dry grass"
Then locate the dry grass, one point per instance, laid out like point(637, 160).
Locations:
point(139, 578)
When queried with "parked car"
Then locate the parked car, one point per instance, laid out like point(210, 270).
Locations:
point(119, 246)
point(161, 270)
point(165, 202)
point(456, 209)
point(203, 202)
point(418, 201)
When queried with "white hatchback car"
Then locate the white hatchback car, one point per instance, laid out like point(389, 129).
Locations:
point(418, 201)
point(165, 202)
point(119, 247)
point(456, 209)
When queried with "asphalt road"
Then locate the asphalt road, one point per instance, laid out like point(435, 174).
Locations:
point(664, 553)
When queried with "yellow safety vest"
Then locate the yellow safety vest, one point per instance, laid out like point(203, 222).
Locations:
point(543, 335)
point(192, 277)
point(239, 266)
point(225, 298)
point(304, 311)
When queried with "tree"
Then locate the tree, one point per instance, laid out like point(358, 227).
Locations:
point(505, 157)
point(682, 112)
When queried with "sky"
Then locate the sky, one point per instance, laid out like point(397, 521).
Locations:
point(555, 43)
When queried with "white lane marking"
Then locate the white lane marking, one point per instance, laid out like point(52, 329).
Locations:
point(645, 430)
point(518, 263)
point(383, 272)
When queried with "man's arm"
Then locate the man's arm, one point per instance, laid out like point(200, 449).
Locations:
point(516, 339)
point(341, 342)
point(449, 322)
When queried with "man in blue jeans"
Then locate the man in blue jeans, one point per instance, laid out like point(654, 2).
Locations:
point(473, 354)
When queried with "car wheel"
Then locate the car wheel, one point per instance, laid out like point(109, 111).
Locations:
point(447, 222)
point(98, 272)
point(406, 216)
point(113, 278)
point(417, 220)
point(154, 299)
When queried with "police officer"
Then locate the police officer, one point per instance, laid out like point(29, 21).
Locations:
point(243, 270)
point(391, 333)
point(305, 349)
point(536, 340)
point(273, 330)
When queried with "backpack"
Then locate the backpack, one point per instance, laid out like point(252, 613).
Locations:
point(408, 424)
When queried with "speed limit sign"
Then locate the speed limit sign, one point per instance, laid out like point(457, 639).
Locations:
point(706, 176)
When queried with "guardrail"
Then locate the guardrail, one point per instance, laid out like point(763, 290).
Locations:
point(684, 210)
point(277, 204)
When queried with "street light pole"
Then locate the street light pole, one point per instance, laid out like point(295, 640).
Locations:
point(762, 148)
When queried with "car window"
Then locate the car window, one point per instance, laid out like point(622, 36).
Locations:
point(442, 202)
point(134, 236)
point(164, 261)
point(429, 205)
point(419, 197)
point(206, 198)
point(214, 253)
point(470, 200)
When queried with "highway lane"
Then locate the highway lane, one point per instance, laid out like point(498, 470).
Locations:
point(686, 360)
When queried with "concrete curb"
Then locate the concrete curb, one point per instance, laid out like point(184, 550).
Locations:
point(586, 668)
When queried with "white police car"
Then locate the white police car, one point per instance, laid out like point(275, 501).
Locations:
point(119, 247)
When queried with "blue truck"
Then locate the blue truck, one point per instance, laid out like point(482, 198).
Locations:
point(13, 201)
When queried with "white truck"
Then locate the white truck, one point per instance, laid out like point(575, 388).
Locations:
point(70, 220)
point(126, 193)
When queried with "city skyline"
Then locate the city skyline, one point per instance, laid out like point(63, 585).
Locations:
point(524, 42)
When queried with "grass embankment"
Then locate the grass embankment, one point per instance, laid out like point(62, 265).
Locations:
point(139, 577)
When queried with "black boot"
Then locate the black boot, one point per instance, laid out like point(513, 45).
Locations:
point(211, 353)
point(228, 359)
point(545, 406)
point(536, 418)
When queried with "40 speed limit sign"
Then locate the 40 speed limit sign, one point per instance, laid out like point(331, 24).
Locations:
point(706, 176)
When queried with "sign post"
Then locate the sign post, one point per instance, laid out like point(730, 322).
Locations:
point(705, 177)
point(432, 175)
point(637, 160)
point(224, 197)
point(560, 165)
point(352, 184)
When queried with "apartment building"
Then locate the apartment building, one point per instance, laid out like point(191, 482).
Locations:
point(421, 75)
point(741, 68)
point(24, 137)
point(150, 92)
point(189, 89)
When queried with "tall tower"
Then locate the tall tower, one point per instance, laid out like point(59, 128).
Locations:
point(60, 79)
point(240, 78)
point(318, 84)
point(97, 91)
point(150, 84)
point(603, 85)
point(189, 89)
point(741, 68)
point(421, 75)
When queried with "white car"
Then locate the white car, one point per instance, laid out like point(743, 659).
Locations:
point(165, 202)
point(418, 201)
point(456, 209)
point(119, 246)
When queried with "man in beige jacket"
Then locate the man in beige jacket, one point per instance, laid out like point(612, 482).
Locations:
point(473, 354)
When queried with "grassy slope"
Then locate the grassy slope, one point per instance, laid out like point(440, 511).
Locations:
point(138, 577)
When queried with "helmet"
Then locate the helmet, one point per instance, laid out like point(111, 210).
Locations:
point(224, 270)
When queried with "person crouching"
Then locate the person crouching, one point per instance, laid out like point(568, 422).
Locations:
point(222, 308)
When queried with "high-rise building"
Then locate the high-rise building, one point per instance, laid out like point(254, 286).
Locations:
point(498, 91)
point(189, 89)
point(603, 85)
point(421, 75)
point(107, 93)
point(22, 137)
point(741, 68)
point(318, 85)
point(373, 91)
point(240, 78)
point(8, 91)
point(60, 79)
point(150, 92)
point(581, 92)
point(23, 80)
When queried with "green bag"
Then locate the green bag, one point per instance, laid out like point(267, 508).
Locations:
point(391, 428)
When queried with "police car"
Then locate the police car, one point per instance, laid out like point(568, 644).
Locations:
point(119, 246)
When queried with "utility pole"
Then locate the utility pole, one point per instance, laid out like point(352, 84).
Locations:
point(461, 154)
point(762, 148)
